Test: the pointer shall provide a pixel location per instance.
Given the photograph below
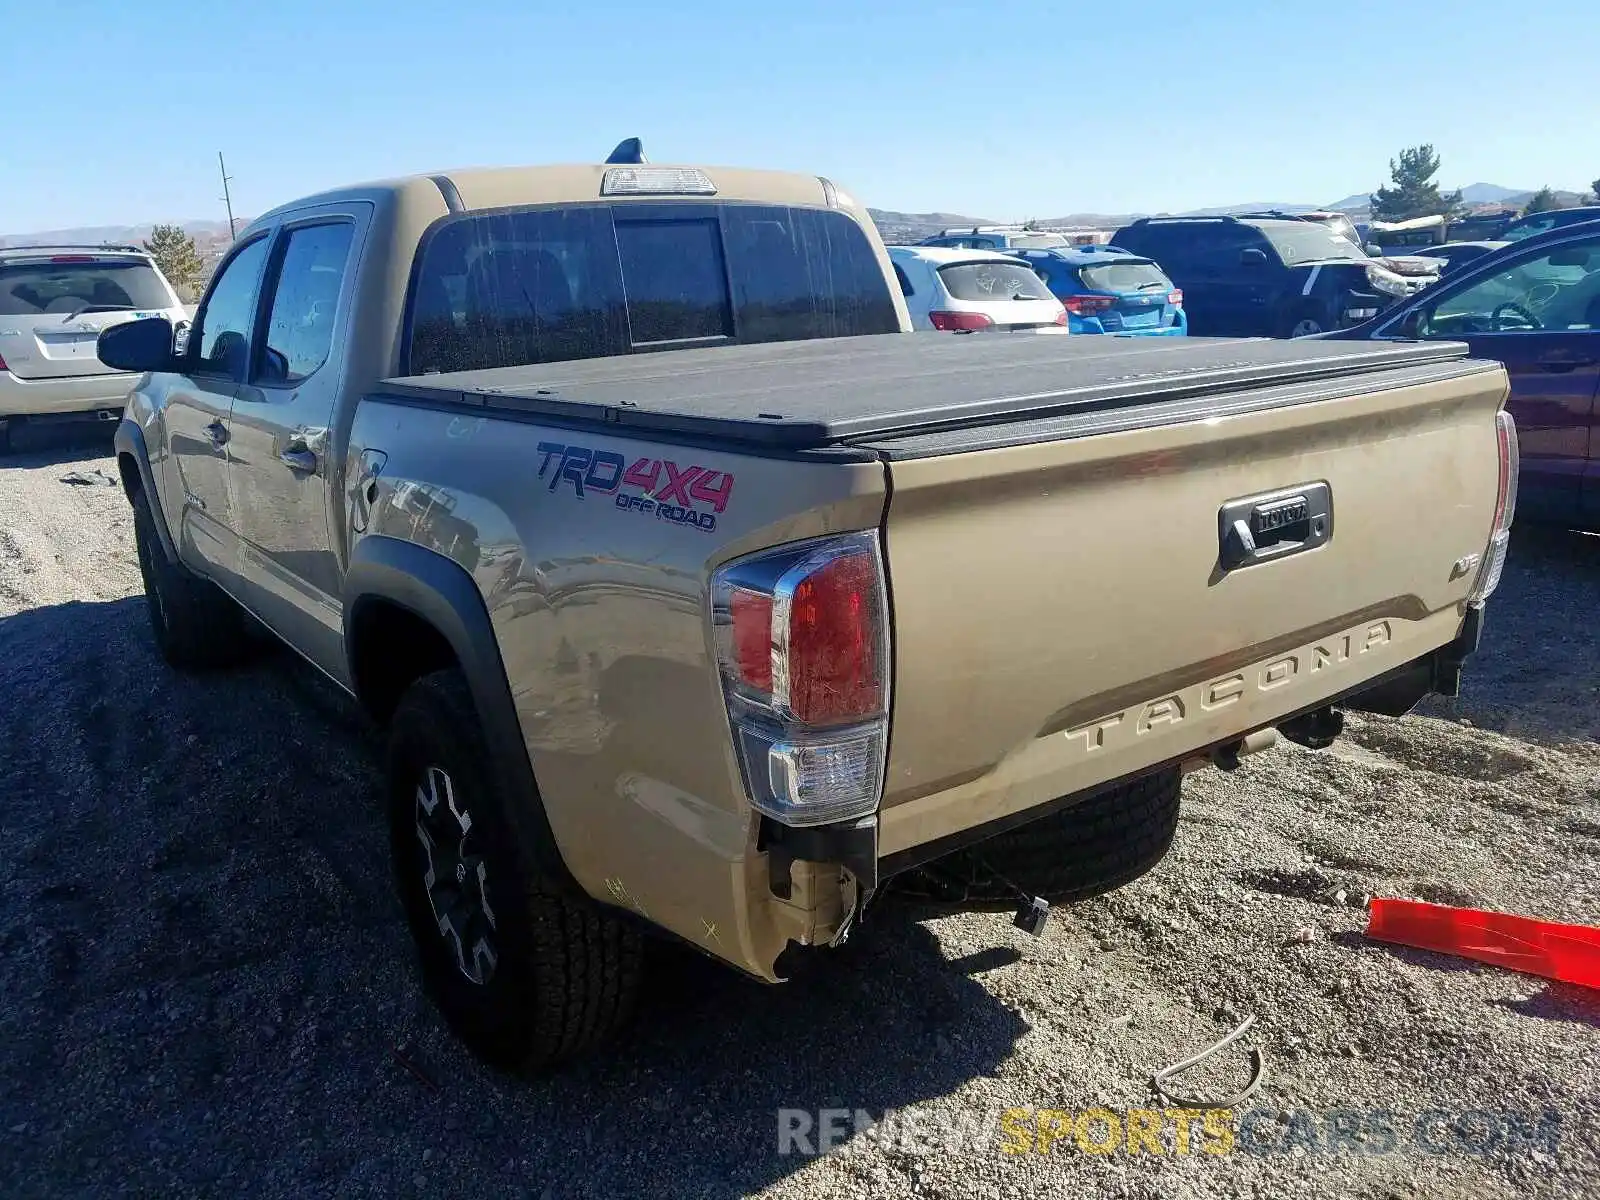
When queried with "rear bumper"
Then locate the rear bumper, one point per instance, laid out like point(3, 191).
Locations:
point(80, 393)
point(1095, 325)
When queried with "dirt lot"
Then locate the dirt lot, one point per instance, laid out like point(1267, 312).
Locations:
point(204, 979)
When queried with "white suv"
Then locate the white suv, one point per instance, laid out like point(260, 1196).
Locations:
point(54, 301)
point(967, 291)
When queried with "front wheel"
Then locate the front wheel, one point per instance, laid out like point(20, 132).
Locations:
point(1305, 322)
point(526, 977)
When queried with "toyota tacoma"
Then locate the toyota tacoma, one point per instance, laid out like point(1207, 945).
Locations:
point(698, 595)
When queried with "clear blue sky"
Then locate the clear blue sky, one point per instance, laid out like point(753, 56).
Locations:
point(116, 108)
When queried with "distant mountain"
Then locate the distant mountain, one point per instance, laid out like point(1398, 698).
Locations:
point(898, 228)
point(129, 235)
point(1493, 193)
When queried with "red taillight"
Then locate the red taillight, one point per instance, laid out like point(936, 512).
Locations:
point(1175, 296)
point(1061, 317)
point(832, 670)
point(751, 613)
point(3, 366)
point(960, 321)
point(1088, 306)
point(802, 644)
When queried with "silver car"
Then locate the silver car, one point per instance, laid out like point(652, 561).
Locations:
point(54, 301)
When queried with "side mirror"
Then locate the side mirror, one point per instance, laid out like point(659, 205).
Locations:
point(1252, 258)
point(1373, 250)
point(137, 345)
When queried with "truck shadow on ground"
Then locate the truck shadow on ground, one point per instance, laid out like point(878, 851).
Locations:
point(38, 444)
point(208, 982)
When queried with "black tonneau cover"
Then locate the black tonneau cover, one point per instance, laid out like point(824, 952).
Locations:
point(829, 391)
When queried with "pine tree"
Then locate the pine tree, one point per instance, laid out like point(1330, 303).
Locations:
point(175, 253)
point(1544, 200)
point(1414, 193)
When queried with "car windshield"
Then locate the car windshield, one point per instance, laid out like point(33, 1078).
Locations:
point(1307, 241)
point(33, 289)
point(992, 279)
point(1133, 276)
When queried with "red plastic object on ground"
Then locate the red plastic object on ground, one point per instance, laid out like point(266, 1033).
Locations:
point(1569, 953)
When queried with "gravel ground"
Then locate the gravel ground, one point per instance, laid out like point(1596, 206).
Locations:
point(205, 984)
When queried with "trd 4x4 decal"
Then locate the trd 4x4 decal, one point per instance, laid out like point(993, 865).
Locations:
point(656, 487)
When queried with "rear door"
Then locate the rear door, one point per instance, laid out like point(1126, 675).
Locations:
point(53, 307)
point(1539, 314)
point(278, 443)
point(198, 404)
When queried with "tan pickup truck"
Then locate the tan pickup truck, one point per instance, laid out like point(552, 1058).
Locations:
point(700, 596)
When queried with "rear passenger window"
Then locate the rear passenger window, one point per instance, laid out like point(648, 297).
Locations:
point(905, 284)
point(541, 285)
point(300, 327)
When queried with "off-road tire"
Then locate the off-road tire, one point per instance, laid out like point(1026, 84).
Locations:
point(196, 624)
point(1074, 854)
point(567, 973)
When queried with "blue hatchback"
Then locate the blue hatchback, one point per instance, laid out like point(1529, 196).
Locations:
point(1110, 290)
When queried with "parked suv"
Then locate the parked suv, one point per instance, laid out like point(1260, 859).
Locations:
point(1109, 290)
point(1265, 276)
point(54, 302)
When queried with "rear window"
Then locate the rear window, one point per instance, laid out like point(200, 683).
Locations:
point(1125, 277)
point(36, 289)
point(992, 280)
point(587, 281)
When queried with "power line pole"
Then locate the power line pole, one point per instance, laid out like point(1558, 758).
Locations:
point(226, 197)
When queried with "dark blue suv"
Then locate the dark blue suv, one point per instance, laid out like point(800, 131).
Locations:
point(1107, 290)
point(1266, 276)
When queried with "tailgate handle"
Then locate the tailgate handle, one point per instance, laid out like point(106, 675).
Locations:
point(1274, 525)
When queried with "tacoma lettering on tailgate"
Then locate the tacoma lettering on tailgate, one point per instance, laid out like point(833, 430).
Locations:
point(1285, 671)
point(655, 487)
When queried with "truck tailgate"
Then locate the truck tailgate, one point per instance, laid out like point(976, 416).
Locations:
point(1062, 614)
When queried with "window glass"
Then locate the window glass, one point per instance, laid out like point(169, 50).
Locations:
point(675, 280)
point(803, 273)
point(534, 286)
point(225, 320)
point(300, 328)
point(1306, 241)
point(992, 279)
point(1555, 291)
point(905, 284)
point(40, 288)
point(526, 287)
point(1125, 277)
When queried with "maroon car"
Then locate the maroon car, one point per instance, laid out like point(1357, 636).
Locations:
point(1535, 306)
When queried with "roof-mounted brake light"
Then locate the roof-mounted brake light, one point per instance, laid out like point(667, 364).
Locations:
point(656, 181)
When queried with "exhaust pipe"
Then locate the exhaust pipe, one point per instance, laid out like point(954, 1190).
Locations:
point(1226, 757)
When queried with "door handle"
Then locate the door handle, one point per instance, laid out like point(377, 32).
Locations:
point(297, 458)
point(218, 432)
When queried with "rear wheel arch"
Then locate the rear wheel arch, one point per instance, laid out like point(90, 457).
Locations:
point(410, 611)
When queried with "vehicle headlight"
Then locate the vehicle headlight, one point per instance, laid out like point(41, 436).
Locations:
point(1387, 282)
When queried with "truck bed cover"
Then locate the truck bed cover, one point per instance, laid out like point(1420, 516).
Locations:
point(832, 391)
